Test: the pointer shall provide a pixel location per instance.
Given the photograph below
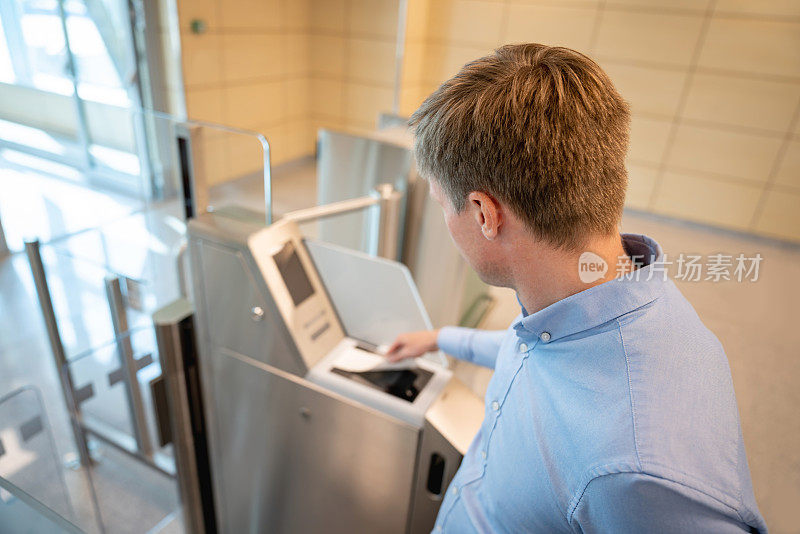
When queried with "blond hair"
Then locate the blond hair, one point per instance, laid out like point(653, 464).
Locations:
point(541, 129)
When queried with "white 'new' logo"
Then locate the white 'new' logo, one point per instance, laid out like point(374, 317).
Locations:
point(591, 267)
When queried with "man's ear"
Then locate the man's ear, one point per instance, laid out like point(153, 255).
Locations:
point(487, 213)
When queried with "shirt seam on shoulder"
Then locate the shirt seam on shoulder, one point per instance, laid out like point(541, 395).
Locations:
point(574, 507)
point(740, 493)
point(576, 499)
point(691, 482)
point(630, 395)
point(609, 321)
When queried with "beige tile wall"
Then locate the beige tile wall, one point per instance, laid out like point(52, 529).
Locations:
point(285, 68)
point(714, 86)
point(250, 69)
point(353, 61)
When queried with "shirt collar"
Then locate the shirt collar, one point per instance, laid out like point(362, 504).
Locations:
point(601, 303)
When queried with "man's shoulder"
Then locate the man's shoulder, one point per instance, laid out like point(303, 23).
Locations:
point(669, 328)
point(682, 402)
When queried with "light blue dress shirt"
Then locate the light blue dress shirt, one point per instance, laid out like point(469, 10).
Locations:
point(609, 411)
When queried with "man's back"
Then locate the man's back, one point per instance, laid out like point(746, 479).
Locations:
point(612, 410)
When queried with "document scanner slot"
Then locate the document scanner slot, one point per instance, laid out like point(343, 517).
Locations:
point(402, 383)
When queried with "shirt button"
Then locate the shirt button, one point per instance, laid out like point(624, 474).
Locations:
point(455, 490)
point(438, 528)
point(523, 347)
point(545, 336)
point(495, 405)
point(483, 454)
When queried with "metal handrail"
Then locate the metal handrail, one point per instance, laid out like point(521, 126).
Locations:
point(57, 347)
point(119, 320)
point(387, 202)
point(330, 210)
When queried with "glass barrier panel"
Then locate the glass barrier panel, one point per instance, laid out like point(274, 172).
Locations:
point(132, 194)
point(353, 230)
point(28, 456)
point(124, 224)
point(22, 513)
point(98, 377)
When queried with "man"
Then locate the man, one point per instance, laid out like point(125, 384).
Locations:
point(611, 407)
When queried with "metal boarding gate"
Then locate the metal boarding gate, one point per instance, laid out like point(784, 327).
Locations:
point(288, 449)
point(112, 389)
point(97, 379)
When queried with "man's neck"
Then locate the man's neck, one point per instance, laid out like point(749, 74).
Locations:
point(546, 275)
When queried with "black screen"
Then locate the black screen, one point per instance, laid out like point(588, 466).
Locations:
point(293, 273)
point(403, 383)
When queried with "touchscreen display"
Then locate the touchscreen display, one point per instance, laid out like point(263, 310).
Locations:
point(293, 273)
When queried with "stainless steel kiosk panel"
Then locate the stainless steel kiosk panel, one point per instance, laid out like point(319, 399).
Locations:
point(350, 166)
point(317, 463)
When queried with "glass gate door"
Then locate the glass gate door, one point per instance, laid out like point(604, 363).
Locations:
point(68, 80)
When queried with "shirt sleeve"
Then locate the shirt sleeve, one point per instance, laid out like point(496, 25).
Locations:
point(636, 502)
point(471, 345)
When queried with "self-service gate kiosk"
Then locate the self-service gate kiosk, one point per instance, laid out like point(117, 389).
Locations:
point(308, 428)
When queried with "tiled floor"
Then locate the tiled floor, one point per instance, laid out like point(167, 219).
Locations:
point(754, 321)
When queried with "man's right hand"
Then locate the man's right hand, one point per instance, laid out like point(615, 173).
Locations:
point(412, 345)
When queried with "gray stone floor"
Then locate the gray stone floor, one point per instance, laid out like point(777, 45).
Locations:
point(754, 320)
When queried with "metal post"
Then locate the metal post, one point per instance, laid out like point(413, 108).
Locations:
point(387, 227)
point(267, 179)
point(174, 326)
point(180, 260)
point(140, 91)
point(46, 304)
point(119, 320)
point(4, 251)
point(80, 109)
point(193, 169)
